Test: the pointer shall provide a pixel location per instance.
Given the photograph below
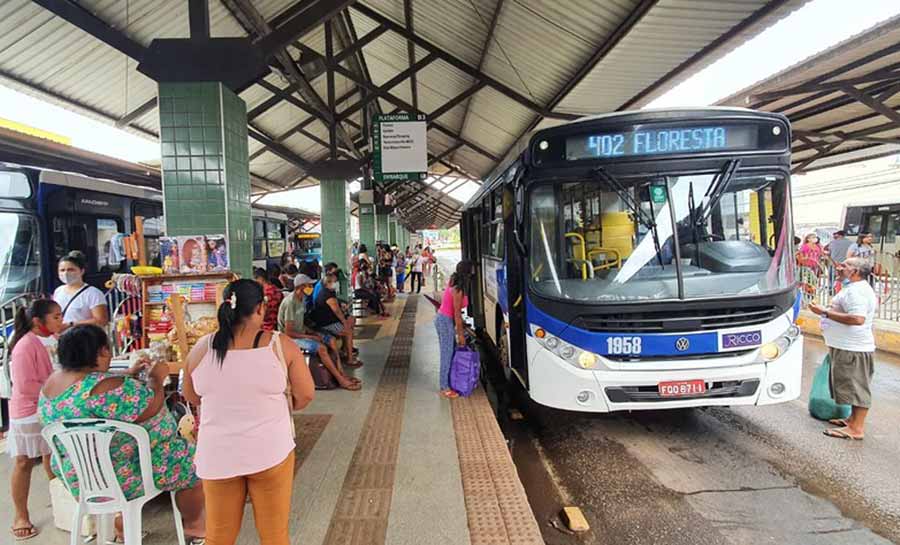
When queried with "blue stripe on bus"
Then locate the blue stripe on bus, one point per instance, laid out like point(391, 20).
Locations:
point(797, 304)
point(650, 344)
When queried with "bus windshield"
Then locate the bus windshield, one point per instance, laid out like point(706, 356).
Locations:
point(20, 268)
point(659, 237)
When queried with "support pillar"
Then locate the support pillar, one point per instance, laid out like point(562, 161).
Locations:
point(205, 166)
point(335, 222)
point(392, 231)
point(381, 227)
point(367, 226)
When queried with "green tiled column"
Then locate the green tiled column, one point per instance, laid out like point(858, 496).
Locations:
point(392, 231)
point(336, 225)
point(367, 226)
point(381, 227)
point(205, 165)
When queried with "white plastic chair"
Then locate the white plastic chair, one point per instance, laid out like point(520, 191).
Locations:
point(86, 444)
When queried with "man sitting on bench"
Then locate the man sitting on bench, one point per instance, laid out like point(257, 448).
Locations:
point(291, 322)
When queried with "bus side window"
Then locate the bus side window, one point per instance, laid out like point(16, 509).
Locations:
point(109, 247)
point(153, 229)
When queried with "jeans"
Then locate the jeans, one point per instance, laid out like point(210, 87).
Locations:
point(446, 332)
point(412, 282)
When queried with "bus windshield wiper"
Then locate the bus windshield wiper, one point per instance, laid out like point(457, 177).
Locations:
point(716, 190)
point(648, 221)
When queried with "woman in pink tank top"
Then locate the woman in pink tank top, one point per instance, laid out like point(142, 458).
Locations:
point(243, 378)
point(449, 322)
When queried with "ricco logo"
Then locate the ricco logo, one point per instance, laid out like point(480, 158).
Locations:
point(744, 338)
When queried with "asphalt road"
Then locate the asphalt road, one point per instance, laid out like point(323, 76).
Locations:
point(724, 476)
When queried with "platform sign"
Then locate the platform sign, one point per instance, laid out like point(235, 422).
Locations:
point(401, 147)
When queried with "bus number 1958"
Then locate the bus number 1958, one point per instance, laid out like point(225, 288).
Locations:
point(623, 345)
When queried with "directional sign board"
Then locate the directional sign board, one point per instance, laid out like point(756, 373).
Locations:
point(401, 147)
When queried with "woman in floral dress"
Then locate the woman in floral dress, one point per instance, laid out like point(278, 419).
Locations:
point(84, 388)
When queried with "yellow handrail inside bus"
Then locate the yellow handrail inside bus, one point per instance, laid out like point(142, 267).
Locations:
point(578, 251)
point(608, 263)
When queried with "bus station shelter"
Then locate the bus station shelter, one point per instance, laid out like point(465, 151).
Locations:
point(248, 98)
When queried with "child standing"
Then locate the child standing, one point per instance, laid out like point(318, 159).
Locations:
point(30, 367)
point(400, 269)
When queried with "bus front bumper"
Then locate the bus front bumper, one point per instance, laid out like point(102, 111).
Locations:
point(555, 383)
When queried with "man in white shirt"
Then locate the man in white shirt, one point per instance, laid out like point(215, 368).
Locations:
point(847, 328)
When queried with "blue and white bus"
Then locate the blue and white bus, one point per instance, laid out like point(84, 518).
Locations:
point(642, 260)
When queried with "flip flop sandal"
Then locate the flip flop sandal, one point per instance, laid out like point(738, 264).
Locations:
point(32, 530)
point(842, 422)
point(355, 365)
point(839, 433)
point(449, 394)
point(195, 540)
point(353, 386)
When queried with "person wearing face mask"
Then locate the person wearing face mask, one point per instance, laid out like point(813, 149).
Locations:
point(847, 328)
point(330, 318)
point(81, 304)
point(292, 322)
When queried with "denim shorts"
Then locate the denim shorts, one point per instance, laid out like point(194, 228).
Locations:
point(307, 345)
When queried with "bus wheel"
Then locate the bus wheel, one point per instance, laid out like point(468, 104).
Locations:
point(503, 349)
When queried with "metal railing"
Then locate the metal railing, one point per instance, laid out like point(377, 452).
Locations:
point(122, 305)
point(119, 303)
point(819, 284)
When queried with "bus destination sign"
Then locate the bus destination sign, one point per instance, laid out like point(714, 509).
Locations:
point(662, 141)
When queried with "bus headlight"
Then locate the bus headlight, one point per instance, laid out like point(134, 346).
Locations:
point(773, 350)
point(587, 360)
point(581, 359)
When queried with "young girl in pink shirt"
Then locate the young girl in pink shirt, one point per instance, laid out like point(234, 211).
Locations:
point(30, 366)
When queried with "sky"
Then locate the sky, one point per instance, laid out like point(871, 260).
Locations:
point(814, 27)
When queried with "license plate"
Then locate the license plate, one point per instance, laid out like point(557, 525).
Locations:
point(682, 388)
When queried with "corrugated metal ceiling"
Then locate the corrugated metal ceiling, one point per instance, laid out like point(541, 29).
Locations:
point(536, 49)
point(831, 127)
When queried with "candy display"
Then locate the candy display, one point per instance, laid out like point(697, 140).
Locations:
point(195, 330)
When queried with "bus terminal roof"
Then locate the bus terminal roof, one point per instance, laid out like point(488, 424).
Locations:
point(485, 72)
point(843, 103)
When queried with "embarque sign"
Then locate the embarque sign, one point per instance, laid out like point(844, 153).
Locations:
point(401, 147)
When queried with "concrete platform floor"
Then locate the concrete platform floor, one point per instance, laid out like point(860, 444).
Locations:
point(381, 465)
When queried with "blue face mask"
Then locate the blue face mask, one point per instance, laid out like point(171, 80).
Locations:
point(845, 281)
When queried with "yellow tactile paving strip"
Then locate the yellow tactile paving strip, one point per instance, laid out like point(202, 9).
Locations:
point(362, 510)
point(496, 504)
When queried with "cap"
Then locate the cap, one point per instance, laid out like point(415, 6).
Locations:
point(302, 280)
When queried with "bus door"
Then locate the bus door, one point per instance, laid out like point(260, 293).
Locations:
point(470, 235)
point(884, 226)
point(515, 265)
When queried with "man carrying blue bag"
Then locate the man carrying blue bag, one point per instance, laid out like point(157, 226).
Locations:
point(847, 328)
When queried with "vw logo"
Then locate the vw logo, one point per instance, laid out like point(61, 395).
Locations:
point(682, 344)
